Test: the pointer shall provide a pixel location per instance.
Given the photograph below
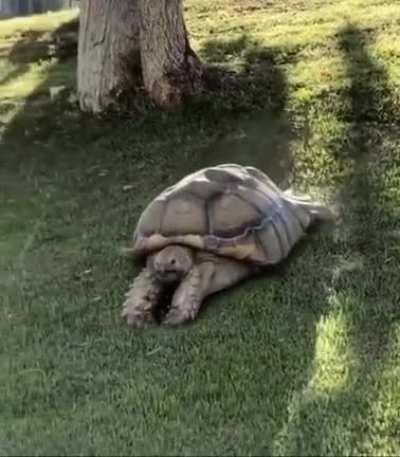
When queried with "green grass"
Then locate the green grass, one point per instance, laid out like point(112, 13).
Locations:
point(303, 360)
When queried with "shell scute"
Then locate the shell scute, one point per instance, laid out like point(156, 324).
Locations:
point(228, 210)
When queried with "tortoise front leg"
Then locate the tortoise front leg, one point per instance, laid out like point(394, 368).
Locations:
point(187, 298)
point(208, 275)
point(141, 300)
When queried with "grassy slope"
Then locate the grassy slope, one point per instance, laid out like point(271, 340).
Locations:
point(301, 361)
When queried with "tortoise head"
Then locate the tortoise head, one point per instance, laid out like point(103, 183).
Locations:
point(171, 263)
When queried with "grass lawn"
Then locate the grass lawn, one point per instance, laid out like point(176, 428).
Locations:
point(301, 361)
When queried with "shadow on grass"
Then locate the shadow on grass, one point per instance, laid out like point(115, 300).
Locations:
point(353, 418)
point(370, 107)
point(38, 46)
point(253, 99)
point(42, 119)
point(27, 50)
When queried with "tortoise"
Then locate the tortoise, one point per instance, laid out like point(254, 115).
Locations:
point(212, 229)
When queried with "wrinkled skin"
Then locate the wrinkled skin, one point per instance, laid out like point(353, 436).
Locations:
point(171, 263)
point(197, 274)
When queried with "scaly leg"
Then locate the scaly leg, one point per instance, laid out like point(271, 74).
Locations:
point(209, 275)
point(141, 300)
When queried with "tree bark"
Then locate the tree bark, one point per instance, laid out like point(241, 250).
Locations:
point(108, 53)
point(171, 70)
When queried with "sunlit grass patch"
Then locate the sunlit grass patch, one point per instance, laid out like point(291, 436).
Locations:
point(24, 85)
point(333, 352)
point(11, 29)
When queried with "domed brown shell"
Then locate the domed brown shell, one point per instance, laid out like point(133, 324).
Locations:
point(229, 210)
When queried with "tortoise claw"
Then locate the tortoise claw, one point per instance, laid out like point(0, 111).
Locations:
point(137, 319)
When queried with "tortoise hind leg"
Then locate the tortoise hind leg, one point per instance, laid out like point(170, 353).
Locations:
point(209, 275)
point(141, 300)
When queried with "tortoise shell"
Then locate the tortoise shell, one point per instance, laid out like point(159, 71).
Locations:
point(229, 210)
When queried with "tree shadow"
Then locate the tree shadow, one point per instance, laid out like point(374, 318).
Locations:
point(27, 50)
point(342, 420)
point(36, 46)
point(259, 132)
point(368, 109)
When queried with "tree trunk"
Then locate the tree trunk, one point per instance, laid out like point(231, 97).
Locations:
point(170, 68)
point(108, 53)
